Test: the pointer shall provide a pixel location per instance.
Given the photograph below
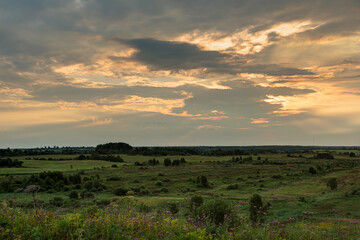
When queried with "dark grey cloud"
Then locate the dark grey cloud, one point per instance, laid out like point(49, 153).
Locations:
point(167, 55)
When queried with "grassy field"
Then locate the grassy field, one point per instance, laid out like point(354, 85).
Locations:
point(283, 181)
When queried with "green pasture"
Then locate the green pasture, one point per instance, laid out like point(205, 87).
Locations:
point(290, 188)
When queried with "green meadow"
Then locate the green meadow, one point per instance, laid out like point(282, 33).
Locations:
point(157, 194)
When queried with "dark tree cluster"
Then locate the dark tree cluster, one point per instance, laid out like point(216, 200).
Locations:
point(52, 181)
point(9, 163)
point(175, 162)
point(150, 162)
point(241, 159)
point(45, 151)
point(324, 155)
point(97, 156)
point(202, 181)
point(112, 148)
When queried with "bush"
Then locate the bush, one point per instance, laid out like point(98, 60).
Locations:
point(173, 208)
point(324, 156)
point(196, 201)
point(332, 183)
point(167, 162)
point(232, 187)
point(120, 191)
point(215, 210)
point(57, 201)
point(144, 208)
point(175, 162)
point(164, 190)
point(202, 181)
point(312, 170)
point(158, 184)
point(103, 202)
point(257, 210)
point(74, 195)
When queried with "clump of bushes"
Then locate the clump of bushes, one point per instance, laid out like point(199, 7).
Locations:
point(312, 170)
point(196, 201)
point(233, 187)
point(121, 191)
point(215, 209)
point(202, 181)
point(9, 163)
point(74, 195)
point(324, 156)
point(57, 202)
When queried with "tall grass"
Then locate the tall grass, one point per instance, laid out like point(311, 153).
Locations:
point(116, 222)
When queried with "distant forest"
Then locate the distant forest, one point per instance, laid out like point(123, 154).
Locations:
point(124, 148)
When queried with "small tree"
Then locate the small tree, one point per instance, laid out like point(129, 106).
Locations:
point(257, 210)
point(202, 181)
point(167, 162)
point(32, 189)
point(332, 183)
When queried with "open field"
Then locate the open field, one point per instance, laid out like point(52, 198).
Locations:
point(282, 180)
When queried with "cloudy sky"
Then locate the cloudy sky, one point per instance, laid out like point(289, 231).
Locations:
point(170, 72)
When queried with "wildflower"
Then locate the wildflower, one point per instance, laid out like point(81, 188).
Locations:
point(244, 231)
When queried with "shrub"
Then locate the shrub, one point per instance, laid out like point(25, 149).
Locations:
point(324, 156)
point(312, 170)
point(120, 191)
point(232, 187)
point(167, 162)
point(164, 190)
point(74, 195)
point(57, 201)
point(196, 201)
point(202, 181)
point(332, 183)
point(257, 210)
point(175, 162)
point(144, 208)
point(173, 208)
point(158, 184)
point(103, 202)
point(215, 210)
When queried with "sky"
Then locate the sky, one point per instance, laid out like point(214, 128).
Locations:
point(170, 72)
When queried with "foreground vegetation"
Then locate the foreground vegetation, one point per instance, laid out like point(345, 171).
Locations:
point(303, 195)
point(214, 220)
